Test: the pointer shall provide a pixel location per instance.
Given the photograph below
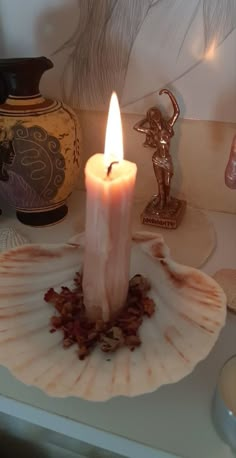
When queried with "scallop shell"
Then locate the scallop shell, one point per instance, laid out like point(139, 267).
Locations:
point(10, 238)
point(190, 312)
point(227, 280)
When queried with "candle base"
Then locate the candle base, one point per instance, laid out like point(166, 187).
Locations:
point(168, 217)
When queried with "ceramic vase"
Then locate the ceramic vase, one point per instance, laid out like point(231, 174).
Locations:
point(39, 144)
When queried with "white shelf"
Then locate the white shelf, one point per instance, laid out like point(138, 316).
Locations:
point(175, 419)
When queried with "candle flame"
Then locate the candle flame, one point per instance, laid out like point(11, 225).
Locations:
point(114, 138)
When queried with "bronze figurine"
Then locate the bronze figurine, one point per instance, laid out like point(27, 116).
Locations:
point(163, 210)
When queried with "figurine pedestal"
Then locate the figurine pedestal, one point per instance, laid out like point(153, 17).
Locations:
point(167, 218)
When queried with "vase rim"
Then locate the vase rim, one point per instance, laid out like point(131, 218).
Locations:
point(24, 61)
point(21, 59)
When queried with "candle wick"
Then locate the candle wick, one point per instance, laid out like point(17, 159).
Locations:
point(109, 169)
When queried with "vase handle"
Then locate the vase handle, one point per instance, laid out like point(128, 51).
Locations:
point(3, 89)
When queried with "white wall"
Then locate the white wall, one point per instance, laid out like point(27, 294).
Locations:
point(170, 41)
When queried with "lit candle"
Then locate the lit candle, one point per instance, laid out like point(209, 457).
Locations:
point(110, 182)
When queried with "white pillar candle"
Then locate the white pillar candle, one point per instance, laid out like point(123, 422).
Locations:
point(110, 182)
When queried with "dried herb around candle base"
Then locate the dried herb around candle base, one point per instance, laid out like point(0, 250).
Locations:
point(78, 329)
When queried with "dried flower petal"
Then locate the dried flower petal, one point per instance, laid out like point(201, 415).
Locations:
point(51, 296)
point(67, 343)
point(78, 329)
point(139, 283)
point(132, 341)
point(83, 352)
point(56, 321)
point(149, 306)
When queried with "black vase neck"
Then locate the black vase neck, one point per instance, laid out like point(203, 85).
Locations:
point(21, 76)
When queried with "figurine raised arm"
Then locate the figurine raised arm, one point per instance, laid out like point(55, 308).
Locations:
point(163, 210)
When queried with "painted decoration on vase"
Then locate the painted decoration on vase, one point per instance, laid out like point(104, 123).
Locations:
point(39, 153)
point(7, 154)
point(33, 176)
point(135, 47)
